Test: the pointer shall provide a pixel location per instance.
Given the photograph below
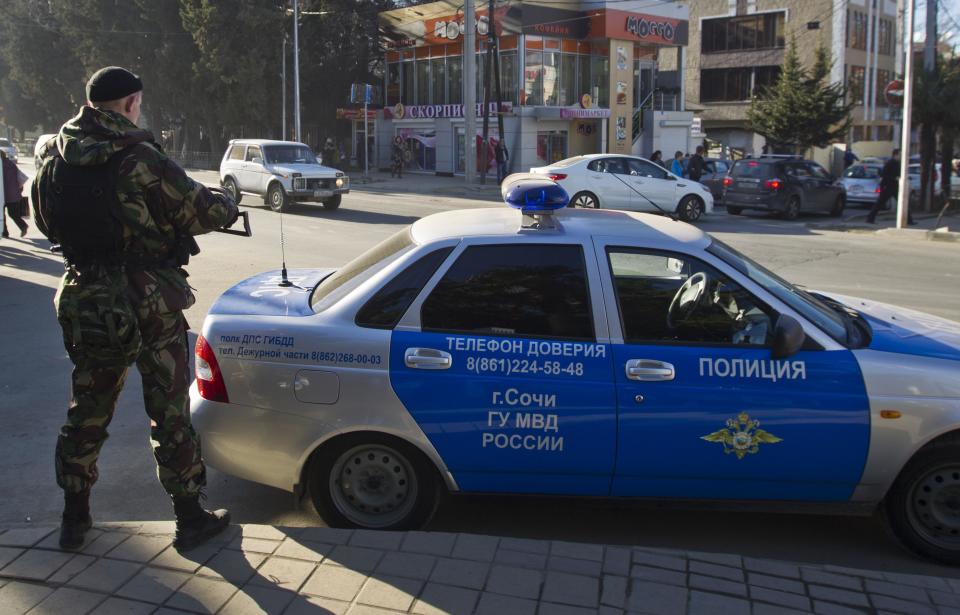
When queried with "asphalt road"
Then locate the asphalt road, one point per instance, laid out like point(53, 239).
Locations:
point(34, 384)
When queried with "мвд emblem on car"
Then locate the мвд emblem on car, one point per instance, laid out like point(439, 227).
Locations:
point(742, 436)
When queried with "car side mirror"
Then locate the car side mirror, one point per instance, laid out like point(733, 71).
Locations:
point(788, 337)
point(256, 160)
point(319, 159)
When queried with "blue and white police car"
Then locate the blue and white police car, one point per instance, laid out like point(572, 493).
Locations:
point(539, 349)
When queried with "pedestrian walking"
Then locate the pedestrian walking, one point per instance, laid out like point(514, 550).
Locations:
point(329, 153)
point(676, 167)
point(849, 157)
point(13, 181)
point(502, 157)
point(125, 227)
point(657, 158)
point(696, 164)
point(396, 157)
point(889, 187)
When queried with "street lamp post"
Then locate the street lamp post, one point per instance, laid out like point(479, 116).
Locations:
point(903, 198)
point(296, 64)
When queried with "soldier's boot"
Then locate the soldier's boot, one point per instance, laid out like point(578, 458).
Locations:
point(196, 525)
point(76, 519)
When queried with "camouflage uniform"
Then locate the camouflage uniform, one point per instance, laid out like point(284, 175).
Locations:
point(159, 206)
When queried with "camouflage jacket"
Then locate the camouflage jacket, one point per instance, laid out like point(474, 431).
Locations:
point(159, 204)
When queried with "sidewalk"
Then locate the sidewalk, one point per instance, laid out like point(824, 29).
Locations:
point(131, 568)
point(926, 227)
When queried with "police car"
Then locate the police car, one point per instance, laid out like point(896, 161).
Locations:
point(539, 349)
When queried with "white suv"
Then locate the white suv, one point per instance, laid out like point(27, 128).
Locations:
point(281, 172)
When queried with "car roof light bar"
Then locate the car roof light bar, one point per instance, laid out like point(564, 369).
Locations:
point(536, 196)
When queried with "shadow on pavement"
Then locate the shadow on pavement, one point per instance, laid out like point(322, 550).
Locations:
point(29, 253)
point(344, 214)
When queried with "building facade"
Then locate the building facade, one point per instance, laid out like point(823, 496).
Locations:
point(737, 47)
point(573, 79)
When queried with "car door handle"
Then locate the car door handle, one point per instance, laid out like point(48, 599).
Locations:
point(649, 370)
point(427, 358)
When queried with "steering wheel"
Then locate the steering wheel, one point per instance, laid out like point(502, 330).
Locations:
point(688, 297)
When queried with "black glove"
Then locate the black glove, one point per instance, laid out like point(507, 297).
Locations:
point(228, 198)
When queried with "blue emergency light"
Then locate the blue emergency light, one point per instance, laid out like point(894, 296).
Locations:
point(533, 194)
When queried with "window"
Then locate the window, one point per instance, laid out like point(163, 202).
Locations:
point(609, 165)
point(817, 171)
point(862, 171)
point(551, 146)
point(857, 30)
point(885, 37)
point(855, 79)
point(439, 94)
point(599, 79)
point(533, 78)
point(385, 309)
point(522, 290)
point(455, 71)
point(408, 92)
point(289, 154)
point(423, 82)
point(762, 31)
point(253, 151)
point(798, 170)
point(393, 83)
point(751, 169)
point(568, 80)
point(725, 84)
point(236, 152)
point(883, 78)
point(667, 297)
point(551, 78)
point(645, 169)
point(508, 76)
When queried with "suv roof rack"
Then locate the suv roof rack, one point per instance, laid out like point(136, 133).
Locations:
point(775, 156)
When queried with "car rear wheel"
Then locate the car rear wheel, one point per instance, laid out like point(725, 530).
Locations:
point(837, 210)
point(585, 199)
point(734, 211)
point(372, 481)
point(277, 198)
point(792, 212)
point(333, 203)
point(923, 506)
point(230, 185)
point(690, 209)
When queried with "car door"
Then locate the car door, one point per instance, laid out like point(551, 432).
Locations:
point(253, 171)
point(502, 368)
point(806, 184)
point(826, 190)
point(607, 178)
point(653, 188)
point(704, 411)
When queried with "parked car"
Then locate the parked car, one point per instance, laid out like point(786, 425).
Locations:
point(578, 353)
point(862, 183)
point(280, 172)
point(784, 185)
point(41, 141)
point(8, 148)
point(628, 182)
point(715, 169)
point(914, 173)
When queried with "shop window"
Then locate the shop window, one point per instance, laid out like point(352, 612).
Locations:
point(599, 79)
point(583, 76)
point(533, 78)
point(762, 31)
point(420, 149)
point(551, 78)
point(393, 83)
point(437, 72)
point(508, 76)
point(407, 93)
point(493, 136)
point(423, 82)
point(551, 146)
point(455, 77)
point(568, 80)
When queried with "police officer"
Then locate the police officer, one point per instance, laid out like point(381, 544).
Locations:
point(889, 187)
point(138, 289)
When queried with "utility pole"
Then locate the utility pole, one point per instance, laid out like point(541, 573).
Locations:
point(487, 75)
point(496, 80)
point(469, 92)
point(296, 70)
point(868, 73)
point(928, 131)
point(283, 75)
point(903, 198)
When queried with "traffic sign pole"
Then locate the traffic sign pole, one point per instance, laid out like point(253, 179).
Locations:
point(903, 198)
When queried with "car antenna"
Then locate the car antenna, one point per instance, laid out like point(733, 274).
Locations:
point(668, 214)
point(284, 282)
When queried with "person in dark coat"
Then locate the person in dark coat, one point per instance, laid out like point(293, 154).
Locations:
point(889, 187)
point(13, 180)
point(696, 164)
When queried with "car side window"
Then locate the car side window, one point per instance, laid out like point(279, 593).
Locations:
point(817, 171)
point(253, 151)
point(643, 168)
point(665, 297)
point(521, 290)
point(236, 152)
point(799, 171)
point(385, 308)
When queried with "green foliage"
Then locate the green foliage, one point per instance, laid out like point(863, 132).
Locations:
point(803, 108)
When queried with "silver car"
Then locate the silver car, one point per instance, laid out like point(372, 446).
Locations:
point(578, 352)
point(9, 149)
point(862, 183)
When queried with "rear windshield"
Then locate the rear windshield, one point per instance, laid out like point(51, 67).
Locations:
point(566, 162)
point(5, 142)
point(752, 169)
point(862, 172)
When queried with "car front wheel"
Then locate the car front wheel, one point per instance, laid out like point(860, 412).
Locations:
point(277, 198)
point(837, 210)
point(372, 481)
point(923, 506)
point(333, 203)
point(585, 199)
point(690, 209)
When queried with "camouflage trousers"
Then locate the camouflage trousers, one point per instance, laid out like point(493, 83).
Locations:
point(164, 368)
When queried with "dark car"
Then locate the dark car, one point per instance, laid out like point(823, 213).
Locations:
point(786, 186)
point(714, 170)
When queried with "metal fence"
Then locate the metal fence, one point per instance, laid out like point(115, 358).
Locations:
point(194, 160)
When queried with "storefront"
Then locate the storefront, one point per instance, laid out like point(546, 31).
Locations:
point(571, 81)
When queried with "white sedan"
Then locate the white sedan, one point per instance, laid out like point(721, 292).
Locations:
point(632, 183)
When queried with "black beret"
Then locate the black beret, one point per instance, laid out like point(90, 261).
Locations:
point(112, 83)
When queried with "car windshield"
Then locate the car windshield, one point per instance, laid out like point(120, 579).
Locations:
point(5, 142)
point(289, 154)
point(862, 172)
point(810, 307)
point(332, 288)
point(566, 162)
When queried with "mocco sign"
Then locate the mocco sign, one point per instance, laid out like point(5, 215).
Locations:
point(643, 27)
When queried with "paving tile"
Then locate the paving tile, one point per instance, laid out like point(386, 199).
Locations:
point(77, 564)
point(68, 600)
point(721, 586)
point(527, 545)
point(127, 527)
point(164, 610)
point(437, 599)
point(140, 548)
point(475, 547)
point(521, 559)
point(8, 554)
point(856, 572)
point(254, 600)
point(901, 606)
point(153, 585)
point(517, 582)
point(202, 595)
point(780, 598)
point(122, 606)
point(659, 560)
point(389, 592)
point(17, 597)
point(327, 535)
point(772, 567)
point(36, 564)
point(919, 580)
point(496, 604)
point(265, 532)
point(24, 537)
point(385, 541)
point(760, 608)
point(254, 545)
point(366, 609)
point(616, 560)
point(575, 566)
point(431, 543)
point(191, 561)
point(715, 570)
point(946, 598)
point(104, 542)
point(226, 536)
point(724, 559)
point(52, 541)
point(833, 594)
point(609, 610)
point(105, 575)
point(355, 558)
point(232, 566)
point(778, 583)
point(315, 605)
point(656, 598)
point(829, 608)
point(282, 573)
point(703, 603)
point(613, 590)
point(334, 582)
point(575, 589)
point(296, 548)
point(577, 550)
point(896, 590)
point(158, 528)
point(461, 573)
point(552, 608)
point(409, 565)
point(658, 575)
point(828, 578)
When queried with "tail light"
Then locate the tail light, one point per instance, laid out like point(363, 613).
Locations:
point(557, 176)
point(210, 382)
point(877, 190)
point(773, 184)
point(727, 182)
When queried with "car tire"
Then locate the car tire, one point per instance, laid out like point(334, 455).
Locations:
point(690, 208)
point(734, 211)
point(837, 210)
point(401, 489)
point(230, 185)
point(277, 197)
point(792, 212)
point(586, 200)
point(922, 506)
point(333, 203)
